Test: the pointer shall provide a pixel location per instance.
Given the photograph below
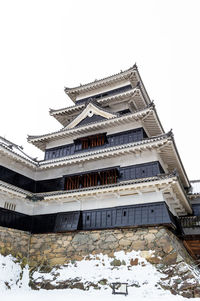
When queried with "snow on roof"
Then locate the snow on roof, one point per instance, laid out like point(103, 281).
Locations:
point(195, 187)
point(16, 149)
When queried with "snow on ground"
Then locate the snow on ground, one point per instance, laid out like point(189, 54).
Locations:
point(100, 267)
point(14, 280)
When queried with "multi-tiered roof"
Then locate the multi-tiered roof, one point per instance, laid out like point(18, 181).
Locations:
point(115, 104)
point(110, 165)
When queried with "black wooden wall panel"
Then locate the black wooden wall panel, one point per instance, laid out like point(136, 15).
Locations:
point(122, 216)
point(43, 223)
point(125, 173)
point(104, 94)
point(87, 120)
point(49, 185)
point(9, 176)
point(125, 216)
point(196, 209)
point(112, 140)
point(16, 179)
point(138, 171)
point(67, 221)
point(16, 220)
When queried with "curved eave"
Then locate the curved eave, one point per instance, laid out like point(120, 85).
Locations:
point(67, 110)
point(164, 182)
point(143, 145)
point(11, 154)
point(193, 195)
point(164, 145)
point(148, 117)
point(135, 93)
point(124, 75)
point(182, 205)
point(170, 156)
point(14, 191)
point(132, 75)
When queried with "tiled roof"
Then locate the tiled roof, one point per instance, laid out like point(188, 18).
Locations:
point(38, 137)
point(81, 87)
point(16, 150)
point(99, 151)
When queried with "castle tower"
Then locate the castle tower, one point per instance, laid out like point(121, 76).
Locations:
point(111, 165)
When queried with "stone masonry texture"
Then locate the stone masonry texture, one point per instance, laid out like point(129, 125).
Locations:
point(157, 245)
point(14, 242)
point(59, 248)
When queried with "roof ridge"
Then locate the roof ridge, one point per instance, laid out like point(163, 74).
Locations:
point(195, 181)
point(68, 90)
point(25, 157)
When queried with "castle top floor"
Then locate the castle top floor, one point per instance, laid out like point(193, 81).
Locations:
point(108, 86)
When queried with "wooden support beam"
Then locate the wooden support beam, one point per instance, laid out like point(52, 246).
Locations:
point(193, 250)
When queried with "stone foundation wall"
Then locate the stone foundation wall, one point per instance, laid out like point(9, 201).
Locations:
point(60, 248)
point(157, 245)
point(52, 249)
point(14, 242)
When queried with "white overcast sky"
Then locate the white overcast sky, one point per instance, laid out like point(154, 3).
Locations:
point(46, 45)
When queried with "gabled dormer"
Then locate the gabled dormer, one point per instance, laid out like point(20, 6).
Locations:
point(92, 113)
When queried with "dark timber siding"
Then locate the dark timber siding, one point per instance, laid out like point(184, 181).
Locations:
point(126, 216)
point(94, 118)
point(104, 94)
point(126, 173)
point(196, 209)
point(138, 171)
point(9, 176)
point(16, 220)
point(145, 170)
point(123, 216)
point(112, 140)
point(67, 221)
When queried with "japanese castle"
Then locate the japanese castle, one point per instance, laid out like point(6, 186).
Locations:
point(110, 166)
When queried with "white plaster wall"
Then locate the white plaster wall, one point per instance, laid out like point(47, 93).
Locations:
point(122, 160)
point(85, 203)
point(113, 201)
point(104, 201)
point(54, 207)
point(22, 205)
point(56, 172)
point(16, 166)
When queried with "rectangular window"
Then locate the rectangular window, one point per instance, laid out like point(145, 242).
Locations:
point(92, 179)
point(90, 142)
